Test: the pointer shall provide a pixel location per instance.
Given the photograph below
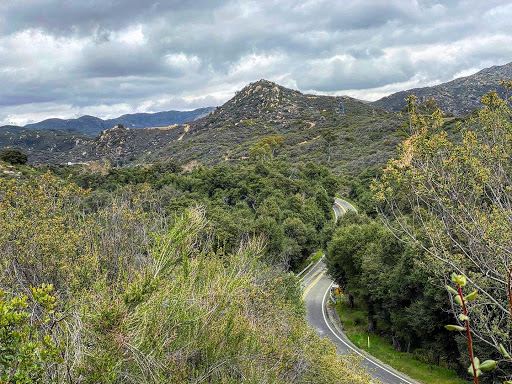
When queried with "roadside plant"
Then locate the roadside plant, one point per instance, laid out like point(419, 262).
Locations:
point(449, 194)
point(476, 368)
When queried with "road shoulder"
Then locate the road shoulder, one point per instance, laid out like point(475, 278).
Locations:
point(333, 320)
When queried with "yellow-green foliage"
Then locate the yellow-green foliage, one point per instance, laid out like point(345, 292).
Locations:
point(27, 351)
point(451, 197)
point(42, 237)
point(189, 316)
point(142, 305)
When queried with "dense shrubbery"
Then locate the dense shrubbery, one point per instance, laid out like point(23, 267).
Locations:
point(448, 200)
point(450, 196)
point(141, 296)
point(13, 156)
point(290, 205)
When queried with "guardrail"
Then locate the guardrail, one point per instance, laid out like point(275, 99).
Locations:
point(305, 269)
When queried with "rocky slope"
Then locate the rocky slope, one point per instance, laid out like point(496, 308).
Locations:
point(361, 136)
point(456, 97)
point(43, 146)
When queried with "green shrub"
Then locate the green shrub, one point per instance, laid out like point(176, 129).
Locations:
point(13, 156)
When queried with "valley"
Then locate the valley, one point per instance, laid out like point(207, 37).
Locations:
point(170, 251)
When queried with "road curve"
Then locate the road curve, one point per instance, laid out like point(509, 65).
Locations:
point(316, 284)
point(341, 207)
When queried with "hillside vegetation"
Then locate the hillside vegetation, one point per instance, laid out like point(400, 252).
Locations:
point(445, 202)
point(457, 97)
point(311, 127)
point(109, 286)
point(177, 268)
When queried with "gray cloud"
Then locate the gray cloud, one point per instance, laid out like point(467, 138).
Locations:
point(108, 57)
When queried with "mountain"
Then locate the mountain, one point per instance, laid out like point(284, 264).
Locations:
point(456, 97)
point(159, 119)
point(91, 125)
point(265, 109)
point(363, 136)
point(88, 125)
point(311, 126)
point(43, 146)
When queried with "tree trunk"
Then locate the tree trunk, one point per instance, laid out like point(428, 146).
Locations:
point(372, 325)
point(437, 358)
point(396, 344)
point(350, 301)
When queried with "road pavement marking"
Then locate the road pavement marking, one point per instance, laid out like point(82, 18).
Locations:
point(312, 284)
point(311, 269)
point(341, 206)
point(349, 346)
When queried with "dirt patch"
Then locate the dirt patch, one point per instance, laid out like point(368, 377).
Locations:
point(185, 130)
point(309, 141)
point(190, 166)
point(168, 128)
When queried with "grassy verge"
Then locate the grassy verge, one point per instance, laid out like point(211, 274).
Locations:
point(354, 323)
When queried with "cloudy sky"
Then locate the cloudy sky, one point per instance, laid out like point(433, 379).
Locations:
point(67, 58)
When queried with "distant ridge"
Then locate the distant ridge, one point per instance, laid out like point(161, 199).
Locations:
point(91, 125)
point(456, 97)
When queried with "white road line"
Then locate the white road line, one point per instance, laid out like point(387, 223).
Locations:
point(349, 346)
point(341, 206)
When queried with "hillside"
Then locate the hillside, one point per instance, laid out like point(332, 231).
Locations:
point(91, 125)
point(456, 97)
point(152, 292)
point(363, 136)
point(43, 146)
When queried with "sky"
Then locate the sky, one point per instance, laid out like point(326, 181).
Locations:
point(105, 58)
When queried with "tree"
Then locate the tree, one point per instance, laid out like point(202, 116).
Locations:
point(266, 147)
point(329, 137)
point(382, 276)
point(13, 156)
point(453, 198)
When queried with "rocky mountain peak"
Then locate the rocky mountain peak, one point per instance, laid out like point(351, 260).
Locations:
point(262, 88)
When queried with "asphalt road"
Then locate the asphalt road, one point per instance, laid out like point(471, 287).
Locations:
point(340, 207)
point(316, 284)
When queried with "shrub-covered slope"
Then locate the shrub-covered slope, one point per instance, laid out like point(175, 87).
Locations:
point(121, 294)
point(456, 97)
point(311, 127)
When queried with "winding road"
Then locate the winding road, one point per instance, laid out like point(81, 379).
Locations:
point(317, 284)
point(340, 207)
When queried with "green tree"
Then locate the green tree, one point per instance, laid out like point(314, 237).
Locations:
point(13, 156)
point(453, 199)
point(266, 148)
point(329, 137)
point(383, 276)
